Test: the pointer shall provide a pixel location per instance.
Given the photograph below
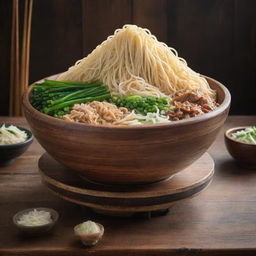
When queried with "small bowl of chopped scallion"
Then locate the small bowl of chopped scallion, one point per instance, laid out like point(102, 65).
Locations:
point(241, 144)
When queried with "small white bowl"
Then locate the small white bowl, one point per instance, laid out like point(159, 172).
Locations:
point(89, 239)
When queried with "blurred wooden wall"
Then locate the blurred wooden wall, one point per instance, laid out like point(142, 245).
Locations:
point(216, 37)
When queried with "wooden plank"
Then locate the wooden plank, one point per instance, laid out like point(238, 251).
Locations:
point(201, 32)
point(56, 39)
point(201, 29)
point(5, 50)
point(245, 55)
point(151, 14)
point(101, 19)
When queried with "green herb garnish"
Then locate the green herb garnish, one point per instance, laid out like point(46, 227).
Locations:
point(56, 98)
point(142, 105)
point(247, 135)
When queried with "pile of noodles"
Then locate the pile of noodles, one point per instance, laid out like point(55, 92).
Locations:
point(133, 61)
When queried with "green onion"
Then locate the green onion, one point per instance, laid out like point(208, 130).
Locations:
point(56, 98)
point(142, 105)
point(76, 101)
point(247, 135)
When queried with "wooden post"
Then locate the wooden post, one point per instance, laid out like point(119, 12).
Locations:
point(19, 70)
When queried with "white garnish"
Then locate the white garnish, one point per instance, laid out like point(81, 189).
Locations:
point(11, 135)
point(247, 135)
point(151, 118)
point(88, 227)
point(35, 218)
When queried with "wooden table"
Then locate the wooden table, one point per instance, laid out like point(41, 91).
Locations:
point(220, 221)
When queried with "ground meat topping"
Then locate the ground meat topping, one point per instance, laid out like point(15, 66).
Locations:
point(189, 104)
point(190, 96)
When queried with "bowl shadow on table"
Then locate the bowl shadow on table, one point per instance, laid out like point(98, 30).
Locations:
point(22, 236)
point(232, 167)
point(78, 244)
point(142, 219)
point(134, 215)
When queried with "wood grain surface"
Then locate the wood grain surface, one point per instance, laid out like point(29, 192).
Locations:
point(219, 221)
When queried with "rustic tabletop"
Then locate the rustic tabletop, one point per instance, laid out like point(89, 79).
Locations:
point(219, 221)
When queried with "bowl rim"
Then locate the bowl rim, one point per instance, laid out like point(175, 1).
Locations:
point(53, 213)
point(234, 129)
point(27, 141)
point(193, 120)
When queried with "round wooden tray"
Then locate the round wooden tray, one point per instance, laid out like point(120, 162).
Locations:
point(118, 200)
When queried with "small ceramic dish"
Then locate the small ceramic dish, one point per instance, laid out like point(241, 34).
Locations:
point(9, 152)
point(244, 153)
point(89, 239)
point(36, 230)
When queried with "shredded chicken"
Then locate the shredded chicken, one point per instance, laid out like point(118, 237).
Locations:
point(96, 112)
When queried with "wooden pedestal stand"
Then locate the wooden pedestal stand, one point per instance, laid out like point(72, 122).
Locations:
point(126, 200)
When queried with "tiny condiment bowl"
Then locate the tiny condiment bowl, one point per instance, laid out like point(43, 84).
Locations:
point(11, 151)
point(89, 239)
point(36, 230)
point(244, 153)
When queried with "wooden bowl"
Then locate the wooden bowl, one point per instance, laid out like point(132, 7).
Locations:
point(128, 155)
point(244, 153)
